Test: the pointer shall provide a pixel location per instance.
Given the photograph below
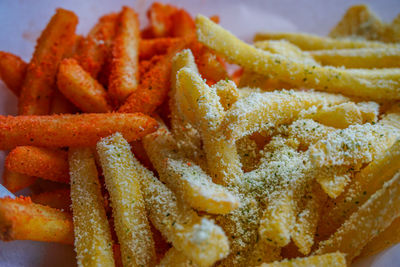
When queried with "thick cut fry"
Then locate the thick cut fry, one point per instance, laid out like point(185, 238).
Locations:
point(151, 47)
point(369, 58)
point(122, 182)
point(12, 71)
point(298, 73)
point(58, 199)
point(359, 21)
point(95, 49)
point(93, 243)
point(310, 42)
point(81, 89)
point(175, 258)
point(327, 260)
point(263, 110)
point(154, 86)
point(371, 218)
point(40, 162)
point(124, 76)
point(39, 81)
point(15, 181)
point(71, 130)
point(20, 219)
point(364, 184)
point(61, 105)
point(185, 178)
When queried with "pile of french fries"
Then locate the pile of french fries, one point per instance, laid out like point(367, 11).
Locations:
point(141, 149)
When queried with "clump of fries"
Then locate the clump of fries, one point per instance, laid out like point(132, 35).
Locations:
point(165, 159)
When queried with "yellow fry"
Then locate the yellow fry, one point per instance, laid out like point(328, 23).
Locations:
point(122, 182)
point(336, 259)
point(392, 31)
point(175, 258)
point(296, 72)
point(371, 218)
point(334, 179)
point(124, 74)
point(93, 243)
point(264, 82)
point(227, 93)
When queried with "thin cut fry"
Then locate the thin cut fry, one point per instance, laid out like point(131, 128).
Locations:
point(175, 258)
point(19, 216)
point(336, 259)
point(12, 71)
point(58, 199)
point(40, 162)
point(38, 85)
point(71, 130)
point(93, 243)
point(81, 89)
point(15, 181)
point(122, 182)
point(124, 76)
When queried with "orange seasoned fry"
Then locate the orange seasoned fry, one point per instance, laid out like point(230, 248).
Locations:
point(182, 24)
point(20, 219)
point(40, 162)
point(124, 74)
point(38, 85)
point(154, 86)
point(96, 47)
point(81, 89)
point(160, 19)
point(71, 130)
point(58, 199)
point(14, 181)
point(151, 47)
point(12, 71)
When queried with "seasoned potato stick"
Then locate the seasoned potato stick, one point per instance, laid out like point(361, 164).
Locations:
point(336, 259)
point(93, 242)
point(124, 76)
point(389, 237)
point(59, 199)
point(15, 181)
point(310, 42)
point(359, 21)
point(185, 178)
point(81, 89)
point(12, 71)
point(227, 93)
point(71, 130)
point(369, 58)
point(320, 78)
point(121, 179)
point(251, 113)
point(19, 216)
point(372, 217)
point(40, 162)
point(61, 105)
point(160, 18)
point(96, 47)
point(364, 184)
point(151, 47)
point(154, 86)
point(38, 85)
point(174, 257)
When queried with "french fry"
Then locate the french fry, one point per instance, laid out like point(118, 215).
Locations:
point(95, 49)
point(124, 76)
point(227, 92)
point(93, 243)
point(249, 114)
point(20, 219)
point(369, 58)
point(329, 79)
point(12, 71)
point(157, 46)
point(38, 85)
point(121, 179)
point(15, 181)
point(263, 252)
point(379, 211)
point(40, 162)
point(61, 105)
point(71, 130)
point(248, 152)
point(58, 199)
point(359, 21)
point(364, 184)
point(186, 179)
point(81, 89)
point(174, 257)
point(391, 33)
point(160, 19)
point(336, 259)
point(182, 24)
point(334, 179)
point(265, 82)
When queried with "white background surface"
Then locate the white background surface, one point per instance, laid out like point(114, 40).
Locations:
point(22, 21)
